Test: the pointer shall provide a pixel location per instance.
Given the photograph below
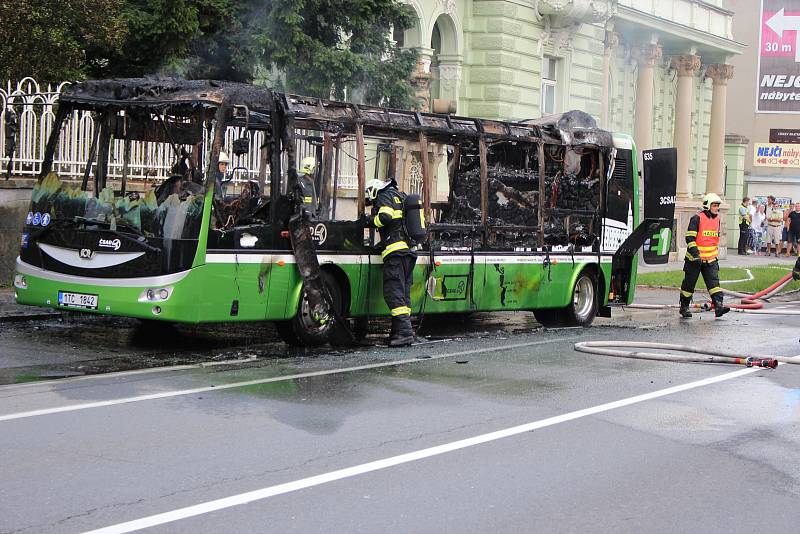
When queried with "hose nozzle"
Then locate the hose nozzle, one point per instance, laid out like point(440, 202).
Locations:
point(770, 363)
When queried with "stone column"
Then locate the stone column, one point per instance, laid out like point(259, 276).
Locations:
point(421, 79)
point(646, 55)
point(687, 66)
point(720, 74)
point(450, 73)
point(612, 40)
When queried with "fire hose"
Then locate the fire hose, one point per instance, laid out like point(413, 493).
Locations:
point(691, 354)
point(748, 304)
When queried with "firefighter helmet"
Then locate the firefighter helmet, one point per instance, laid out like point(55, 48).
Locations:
point(375, 185)
point(307, 165)
point(711, 198)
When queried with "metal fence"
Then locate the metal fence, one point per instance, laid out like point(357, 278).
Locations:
point(34, 106)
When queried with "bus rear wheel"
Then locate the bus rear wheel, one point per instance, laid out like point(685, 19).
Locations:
point(581, 310)
point(302, 330)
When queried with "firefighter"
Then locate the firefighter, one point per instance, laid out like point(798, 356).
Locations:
point(306, 182)
point(222, 171)
point(398, 258)
point(702, 249)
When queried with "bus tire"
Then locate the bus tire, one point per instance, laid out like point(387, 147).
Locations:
point(582, 308)
point(301, 330)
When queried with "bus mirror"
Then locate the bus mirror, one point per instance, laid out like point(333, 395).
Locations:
point(241, 146)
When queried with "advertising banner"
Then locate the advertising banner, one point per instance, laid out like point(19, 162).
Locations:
point(783, 203)
point(776, 155)
point(779, 57)
point(781, 135)
point(660, 171)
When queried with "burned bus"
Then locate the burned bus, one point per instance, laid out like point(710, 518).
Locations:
point(539, 215)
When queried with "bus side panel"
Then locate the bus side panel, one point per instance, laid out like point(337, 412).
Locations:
point(450, 282)
point(231, 291)
point(605, 287)
point(513, 286)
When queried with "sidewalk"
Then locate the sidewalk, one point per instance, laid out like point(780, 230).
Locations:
point(733, 260)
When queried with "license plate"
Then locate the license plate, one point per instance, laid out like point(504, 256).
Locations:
point(77, 300)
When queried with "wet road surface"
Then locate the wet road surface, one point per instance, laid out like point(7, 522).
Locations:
point(498, 426)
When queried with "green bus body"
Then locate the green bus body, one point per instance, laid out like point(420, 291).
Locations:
point(228, 285)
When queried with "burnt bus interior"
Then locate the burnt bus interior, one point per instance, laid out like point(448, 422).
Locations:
point(542, 185)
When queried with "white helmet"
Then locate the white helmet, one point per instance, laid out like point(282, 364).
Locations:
point(371, 191)
point(223, 157)
point(307, 165)
point(711, 198)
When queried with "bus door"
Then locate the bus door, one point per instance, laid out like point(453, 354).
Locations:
point(452, 267)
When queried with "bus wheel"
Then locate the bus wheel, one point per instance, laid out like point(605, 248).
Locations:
point(582, 310)
point(302, 329)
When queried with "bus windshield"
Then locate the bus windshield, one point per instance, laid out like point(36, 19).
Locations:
point(140, 172)
point(172, 209)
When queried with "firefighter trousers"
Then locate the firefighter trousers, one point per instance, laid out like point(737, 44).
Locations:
point(397, 274)
point(744, 237)
point(692, 271)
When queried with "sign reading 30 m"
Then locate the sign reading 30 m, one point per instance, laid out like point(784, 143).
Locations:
point(779, 57)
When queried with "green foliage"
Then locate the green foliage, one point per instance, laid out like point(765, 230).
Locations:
point(57, 41)
point(162, 34)
point(340, 48)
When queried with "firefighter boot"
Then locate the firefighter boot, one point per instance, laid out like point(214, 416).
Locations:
point(719, 309)
point(402, 333)
point(684, 311)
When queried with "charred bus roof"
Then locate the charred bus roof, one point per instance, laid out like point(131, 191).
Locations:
point(185, 96)
point(162, 93)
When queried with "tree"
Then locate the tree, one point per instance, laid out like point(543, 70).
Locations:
point(338, 48)
point(57, 41)
point(163, 33)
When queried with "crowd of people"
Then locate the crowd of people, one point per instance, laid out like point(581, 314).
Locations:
point(764, 227)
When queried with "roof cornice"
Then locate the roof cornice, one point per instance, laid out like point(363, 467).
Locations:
point(658, 24)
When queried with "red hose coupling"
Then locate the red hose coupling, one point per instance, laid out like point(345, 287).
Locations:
point(770, 363)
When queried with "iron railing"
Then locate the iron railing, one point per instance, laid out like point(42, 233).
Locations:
point(34, 106)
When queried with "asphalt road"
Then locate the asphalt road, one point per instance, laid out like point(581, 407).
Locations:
point(503, 428)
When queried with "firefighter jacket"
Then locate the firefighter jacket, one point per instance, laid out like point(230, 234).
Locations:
point(309, 199)
point(387, 217)
point(702, 237)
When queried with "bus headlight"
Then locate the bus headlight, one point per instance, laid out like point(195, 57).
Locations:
point(156, 294)
point(20, 282)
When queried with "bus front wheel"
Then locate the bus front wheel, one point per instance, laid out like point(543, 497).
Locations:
point(581, 309)
point(302, 329)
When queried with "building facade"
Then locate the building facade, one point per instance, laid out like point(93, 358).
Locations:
point(760, 120)
point(657, 69)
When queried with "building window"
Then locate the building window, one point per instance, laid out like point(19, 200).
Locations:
point(549, 85)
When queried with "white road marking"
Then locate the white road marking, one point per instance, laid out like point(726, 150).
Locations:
point(180, 392)
point(304, 483)
point(749, 274)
